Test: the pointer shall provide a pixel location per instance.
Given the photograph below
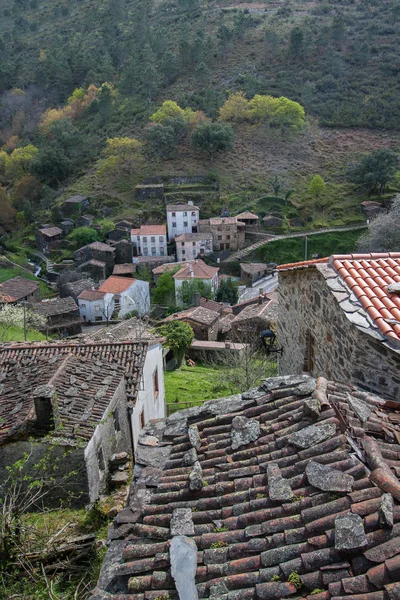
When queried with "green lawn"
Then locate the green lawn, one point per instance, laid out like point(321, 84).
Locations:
point(16, 334)
point(292, 250)
point(193, 385)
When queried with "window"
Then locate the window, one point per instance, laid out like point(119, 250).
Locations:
point(227, 246)
point(185, 223)
point(161, 238)
point(162, 251)
point(174, 214)
point(193, 243)
point(155, 383)
point(193, 214)
point(97, 307)
point(142, 419)
point(309, 353)
point(228, 228)
point(144, 238)
point(98, 318)
point(117, 301)
point(153, 250)
point(138, 237)
point(220, 237)
point(83, 305)
point(185, 214)
point(183, 251)
point(145, 251)
point(173, 224)
point(115, 415)
point(100, 459)
point(153, 239)
point(228, 237)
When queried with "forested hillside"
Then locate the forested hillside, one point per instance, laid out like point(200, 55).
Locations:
point(76, 73)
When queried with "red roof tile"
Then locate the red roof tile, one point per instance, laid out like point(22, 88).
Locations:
point(150, 230)
point(91, 295)
point(301, 264)
point(198, 268)
point(116, 285)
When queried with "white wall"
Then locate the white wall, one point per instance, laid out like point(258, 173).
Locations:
point(90, 310)
point(150, 245)
point(184, 222)
point(137, 297)
point(192, 251)
point(153, 407)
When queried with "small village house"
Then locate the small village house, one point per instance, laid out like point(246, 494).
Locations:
point(125, 270)
point(62, 316)
point(340, 317)
point(83, 403)
point(149, 240)
point(195, 270)
point(115, 298)
point(203, 321)
point(182, 218)
point(190, 246)
point(251, 220)
point(19, 289)
point(228, 232)
point(251, 272)
point(96, 259)
point(75, 205)
point(48, 238)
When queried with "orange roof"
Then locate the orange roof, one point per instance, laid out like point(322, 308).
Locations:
point(91, 295)
point(301, 264)
point(199, 269)
point(116, 285)
point(368, 276)
point(150, 230)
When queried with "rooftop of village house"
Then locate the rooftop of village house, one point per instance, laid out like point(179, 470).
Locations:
point(247, 215)
point(51, 231)
point(83, 376)
point(17, 288)
point(55, 306)
point(198, 314)
point(181, 207)
point(196, 269)
point(237, 495)
point(124, 269)
point(134, 330)
point(150, 230)
point(193, 237)
point(367, 287)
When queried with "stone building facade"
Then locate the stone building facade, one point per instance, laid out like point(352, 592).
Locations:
point(99, 253)
point(324, 332)
point(228, 232)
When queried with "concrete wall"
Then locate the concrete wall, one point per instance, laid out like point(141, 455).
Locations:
point(107, 439)
point(152, 405)
point(193, 249)
point(340, 350)
point(184, 221)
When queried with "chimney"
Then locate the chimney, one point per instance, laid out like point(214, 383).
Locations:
point(44, 397)
point(261, 296)
point(191, 202)
point(196, 299)
point(191, 270)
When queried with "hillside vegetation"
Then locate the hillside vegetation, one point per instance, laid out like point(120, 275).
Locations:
point(81, 82)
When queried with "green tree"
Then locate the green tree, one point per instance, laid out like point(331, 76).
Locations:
point(178, 337)
point(168, 110)
point(288, 115)
point(190, 288)
point(212, 138)
point(19, 162)
point(164, 291)
point(236, 108)
point(227, 291)
point(83, 236)
point(296, 46)
point(317, 186)
point(7, 212)
point(28, 188)
point(143, 274)
point(375, 170)
point(51, 165)
point(161, 140)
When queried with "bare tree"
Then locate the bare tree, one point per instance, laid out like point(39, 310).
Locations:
point(383, 234)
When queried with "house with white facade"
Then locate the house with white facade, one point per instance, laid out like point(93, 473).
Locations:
point(149, 240)
point(190, 246)
point(116, 297)
point(182, 218)
point(195, 270)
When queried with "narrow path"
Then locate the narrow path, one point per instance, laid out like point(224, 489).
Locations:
point(242, 253)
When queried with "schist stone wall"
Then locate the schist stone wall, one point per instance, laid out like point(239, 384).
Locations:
point(339, 350)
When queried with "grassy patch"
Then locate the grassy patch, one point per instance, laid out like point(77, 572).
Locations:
point(194, 385)
point(7, 273)
point(292, 250)
point(16, 334)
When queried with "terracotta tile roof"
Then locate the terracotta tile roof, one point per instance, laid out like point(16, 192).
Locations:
point(225, 221)
point(198, 314)
point(199, 269)
point(150, 230)
point(368, 276)
point(247, 215)
point(85, 377)
point(56, 306)
point(280, 480)
point(126, 268)
point(51, 231)
point(181, 207)
point(166, 267)
point(193, 237)
point(17, 288)
point(213, 305)
point(302, 264)
point(91, 295)
point(116, 285)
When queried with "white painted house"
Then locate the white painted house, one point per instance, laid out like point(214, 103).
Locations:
point(149, 240)
point(116, 296)
point(182, 218)
point(195, 270)
point(190, 246)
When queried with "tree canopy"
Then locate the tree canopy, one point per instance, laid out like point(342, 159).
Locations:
point(383, 234)
point(375, 170)
point(178, 337)
point(212, 138)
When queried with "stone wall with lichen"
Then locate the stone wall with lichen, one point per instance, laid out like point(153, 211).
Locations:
point(341, 350)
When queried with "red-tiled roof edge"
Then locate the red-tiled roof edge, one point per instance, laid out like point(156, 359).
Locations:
point(303, 263)
point(366, 256)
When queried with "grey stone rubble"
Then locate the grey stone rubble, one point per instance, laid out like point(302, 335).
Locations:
point(349, 533)
point(362, 410)
point(182, 522)
point(194, 437)
point(183, 558)
point(312, 407)
point(278, 488)
point(386, 510)
point(196, 478)
point(244, 431)
point(314, 434)
point(327, 479)
point(190, 457)
point(393, 288)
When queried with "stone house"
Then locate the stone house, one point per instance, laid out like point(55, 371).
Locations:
point(123, 251)
point(74, 288)
point(301, 478)
point(19, 289)
point(251, 272)
point(75, 205)
point(62, 316)
point(339, 317)
point(182, 218)
point(117, 296)
point(48, 238)
point(195, 270)
point(125, 270)
point(69, 402)
point(97, 259)
point(252, 318)
point(251, 220)
point(149, 240)
point(228, 232)
point(203, 321)
point(190, 246)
